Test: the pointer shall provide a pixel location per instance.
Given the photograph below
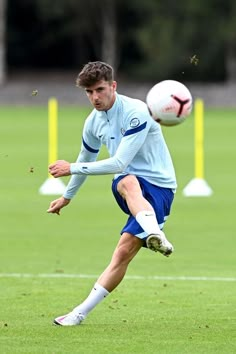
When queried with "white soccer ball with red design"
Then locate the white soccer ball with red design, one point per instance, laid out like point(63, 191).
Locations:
point(169, 102)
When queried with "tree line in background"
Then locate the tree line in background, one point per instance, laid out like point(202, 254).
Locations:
point(143, 40)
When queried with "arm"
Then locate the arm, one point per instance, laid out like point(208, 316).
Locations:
point(128, 148)
point(76, 181)
point(74, 184)
point(86, 154)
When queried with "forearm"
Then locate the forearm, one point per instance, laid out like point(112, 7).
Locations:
point(126, 151)
point(73, 186)
point(76, 180)
point(109, 166)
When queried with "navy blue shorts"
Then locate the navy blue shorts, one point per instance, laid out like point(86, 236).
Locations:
point(160, 198)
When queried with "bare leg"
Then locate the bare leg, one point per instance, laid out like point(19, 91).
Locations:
point(142, 210)
point(125, 251)
point(130, 190)
point(128, 246)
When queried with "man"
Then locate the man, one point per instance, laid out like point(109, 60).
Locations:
point(144, 181)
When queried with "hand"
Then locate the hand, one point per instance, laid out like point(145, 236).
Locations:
point(59, 168)
point(57, 204)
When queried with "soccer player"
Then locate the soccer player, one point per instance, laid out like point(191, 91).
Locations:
point(144, 179)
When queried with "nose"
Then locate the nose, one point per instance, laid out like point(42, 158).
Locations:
point(94, 96)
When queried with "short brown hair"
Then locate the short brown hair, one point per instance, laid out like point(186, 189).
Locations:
point(93, 72)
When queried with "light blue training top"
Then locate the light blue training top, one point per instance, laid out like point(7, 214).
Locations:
point(134, 141)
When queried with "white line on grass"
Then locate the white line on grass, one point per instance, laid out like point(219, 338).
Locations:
point(129, 277)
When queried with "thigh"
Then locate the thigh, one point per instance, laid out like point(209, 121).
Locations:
point(119, 199)
point(160, 198)
point(129, 185)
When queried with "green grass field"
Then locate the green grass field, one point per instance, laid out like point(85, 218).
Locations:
point(48, 264)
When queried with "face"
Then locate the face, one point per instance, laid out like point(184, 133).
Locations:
point(102, 94)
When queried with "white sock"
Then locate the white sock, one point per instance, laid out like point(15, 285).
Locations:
point(148, 221)
point(97, 294)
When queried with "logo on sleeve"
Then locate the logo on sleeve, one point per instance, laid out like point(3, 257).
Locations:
point(134, 122)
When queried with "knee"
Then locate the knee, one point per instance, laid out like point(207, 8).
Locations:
point(126, 249)
point(122, 255)
point(127, 185)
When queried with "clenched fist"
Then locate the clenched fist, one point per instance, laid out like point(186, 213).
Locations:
point(59, 168)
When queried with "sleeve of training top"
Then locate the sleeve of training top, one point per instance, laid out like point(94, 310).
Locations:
point(87, 154)
point(130, 144)
point(76, 181)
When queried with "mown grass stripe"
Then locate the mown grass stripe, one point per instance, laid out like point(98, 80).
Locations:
point(129, 277)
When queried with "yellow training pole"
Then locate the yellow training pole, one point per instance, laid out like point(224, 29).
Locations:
point(52, 186)
point(198, 187)
point(52, 130)
point(198, 139)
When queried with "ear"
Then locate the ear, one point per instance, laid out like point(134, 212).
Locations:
point(114, 85)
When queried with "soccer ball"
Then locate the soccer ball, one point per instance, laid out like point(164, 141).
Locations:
point(169, 102)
